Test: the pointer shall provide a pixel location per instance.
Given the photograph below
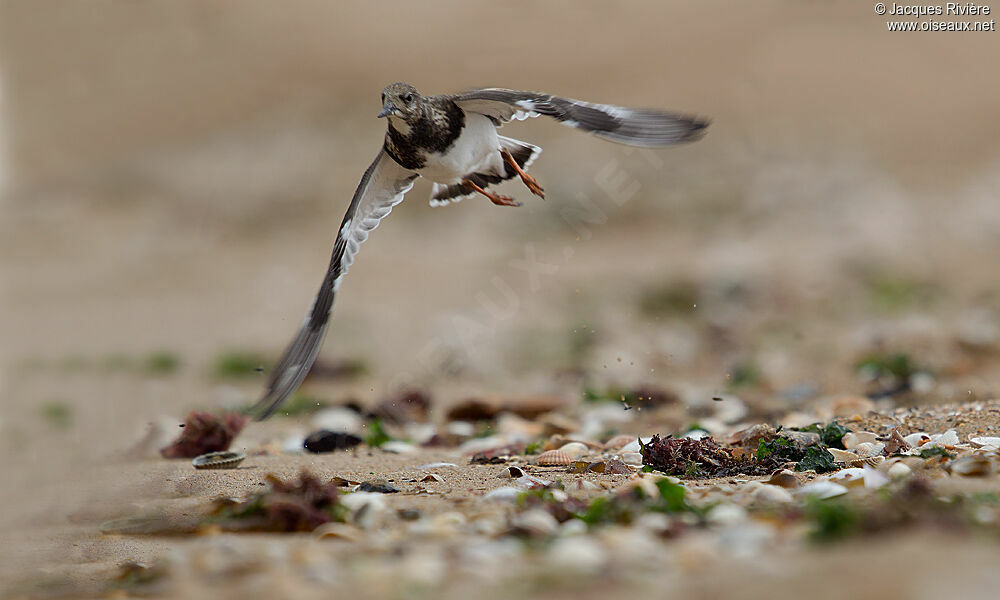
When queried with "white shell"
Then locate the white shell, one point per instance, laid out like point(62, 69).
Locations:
point(536, 521)
point(574, 449)
point(853, 438)
point(504, 494)
point(631, 458)
point(823, 489)
point(842, 456)
point(771, 494)
point(899, 471)
point(990, 443)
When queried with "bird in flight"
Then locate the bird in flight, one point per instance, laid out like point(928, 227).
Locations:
point(453, 141)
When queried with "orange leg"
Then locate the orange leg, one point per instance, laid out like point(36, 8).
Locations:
point(528, 180)
point(494, 198)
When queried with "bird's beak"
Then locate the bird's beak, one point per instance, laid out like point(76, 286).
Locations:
point(387, 110)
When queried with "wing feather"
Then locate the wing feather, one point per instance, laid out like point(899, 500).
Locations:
point(382, 187)
point(635, 127)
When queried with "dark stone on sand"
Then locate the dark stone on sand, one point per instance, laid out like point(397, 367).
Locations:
point(381, 486)
point(329, 441)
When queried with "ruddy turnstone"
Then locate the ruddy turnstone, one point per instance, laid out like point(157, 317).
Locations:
point(453, 141)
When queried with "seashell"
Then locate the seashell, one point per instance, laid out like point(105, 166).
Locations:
point(618, 441)
point(851, 477)
point(504, 494)
point(341, 482)
point(874, 479)
point(632, 458)
point(851, 439)
point(574, 449)
point(436, 465)
point(871, 461)
point(511, 473)
point(842, 456)
point(432, 478)
point(971, 466)
point(219, 460)
point(990, 443)
point(823, 489)
point(530, 482)
point(397, 447)
point(783, 479)
point(337, 531)
point(914, 440)
point(899, 471)
point(948, 438)
point(577, 555)
point(869, 449)
point(536, 522)
point(770, 494)
point(554, 458)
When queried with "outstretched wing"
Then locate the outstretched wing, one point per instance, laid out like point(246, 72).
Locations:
point(633, 126)
point(382, 187)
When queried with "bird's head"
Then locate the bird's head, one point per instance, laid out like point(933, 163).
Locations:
point(400, 100)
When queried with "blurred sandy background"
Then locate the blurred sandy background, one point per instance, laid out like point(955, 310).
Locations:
point(174, 172)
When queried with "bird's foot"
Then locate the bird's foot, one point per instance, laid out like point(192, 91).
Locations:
point(532, 183)
point(502, 200)
point(494, 197)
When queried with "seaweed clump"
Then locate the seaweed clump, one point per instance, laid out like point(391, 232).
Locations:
point(205, 432)
point(301, 504)
point(695, 458)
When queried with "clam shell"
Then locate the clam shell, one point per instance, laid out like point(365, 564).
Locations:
point(783, 479)
point(574, 449)
point(971, 466)
point(219, 460)
point(554, 458)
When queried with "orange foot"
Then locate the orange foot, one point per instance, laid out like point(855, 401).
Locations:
point(528, 180)
point(494, 198)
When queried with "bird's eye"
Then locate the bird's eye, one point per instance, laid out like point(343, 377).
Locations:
point(408, 97)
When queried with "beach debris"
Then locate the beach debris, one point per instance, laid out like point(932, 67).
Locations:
point(431, 478)
point(784, 479)
point(970, 466)
point(895, 444)
point(301, 504)
point(511, 473)
point(379, 486)
point(498, 455)
point(574, 449)
point(205, 432)
point(694, 458)
point(437, 465)
point(989, 443)
point(329, 441)
point(219, 460)
point(553, 458)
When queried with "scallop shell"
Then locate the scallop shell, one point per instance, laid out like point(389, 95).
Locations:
point(871, 461)
point(554, 458)
point(219, 460)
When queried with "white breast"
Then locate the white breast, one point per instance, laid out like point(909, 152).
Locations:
point(475, 151)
